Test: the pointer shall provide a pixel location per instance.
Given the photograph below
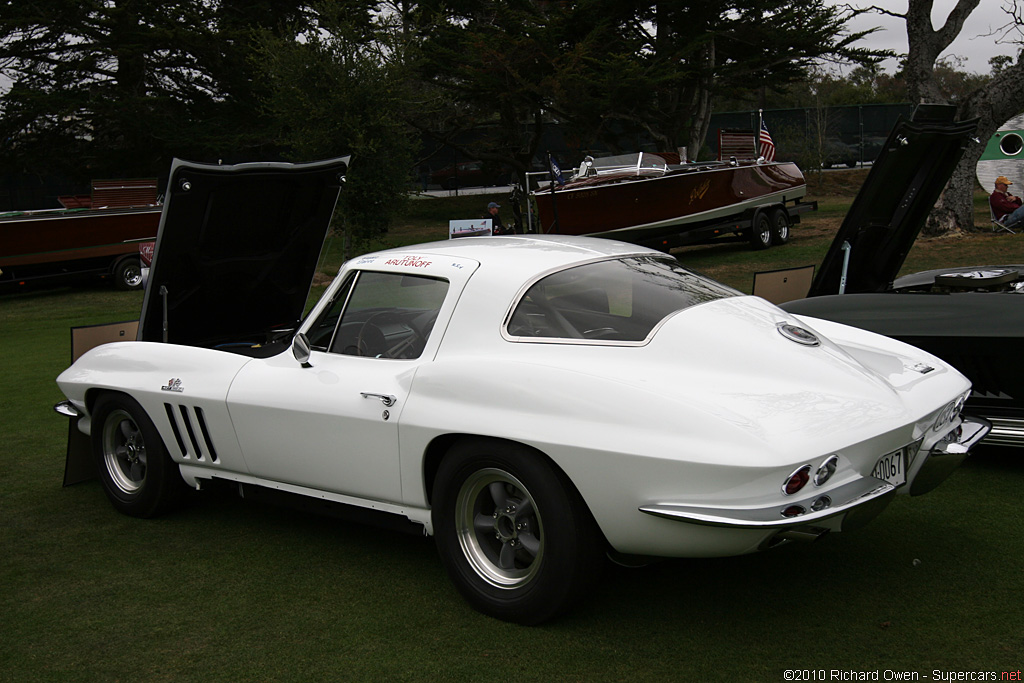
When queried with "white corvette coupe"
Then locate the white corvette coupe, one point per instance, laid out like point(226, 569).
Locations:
point(534, 403)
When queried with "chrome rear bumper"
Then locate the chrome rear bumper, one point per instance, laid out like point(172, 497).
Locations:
point(844, 507)
point(946, 455)
point(855, 502)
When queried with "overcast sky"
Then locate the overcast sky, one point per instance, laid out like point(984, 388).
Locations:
point(974, 42)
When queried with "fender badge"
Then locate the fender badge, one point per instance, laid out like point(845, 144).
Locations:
point(798, 334)
point(173, 384)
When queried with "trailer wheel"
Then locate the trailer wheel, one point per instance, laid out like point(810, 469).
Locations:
point(780, 226)
point(761, 231)
point(128, 273)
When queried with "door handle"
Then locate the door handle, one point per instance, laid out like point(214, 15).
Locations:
point(387, 399)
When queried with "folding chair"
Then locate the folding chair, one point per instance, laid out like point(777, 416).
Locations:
point(997, 226)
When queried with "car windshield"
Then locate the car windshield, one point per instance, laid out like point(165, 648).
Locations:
point(616, 300)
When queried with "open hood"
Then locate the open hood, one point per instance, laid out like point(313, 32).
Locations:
point(902, 187)
point(237, 248)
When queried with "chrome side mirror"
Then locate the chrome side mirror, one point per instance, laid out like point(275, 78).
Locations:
point(300, 349)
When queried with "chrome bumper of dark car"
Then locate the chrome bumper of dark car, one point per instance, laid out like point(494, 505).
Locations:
point(856, 502)
point(946, 455)
point(1006, 431)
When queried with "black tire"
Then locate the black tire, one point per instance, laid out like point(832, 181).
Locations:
point(780, 226)
point(128, 274)
point(138, 475)
point(761, 231)
point(515, 536)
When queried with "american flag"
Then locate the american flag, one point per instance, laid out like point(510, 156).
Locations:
point(767, 146)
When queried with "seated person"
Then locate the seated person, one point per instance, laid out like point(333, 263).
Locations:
point(1005, 207)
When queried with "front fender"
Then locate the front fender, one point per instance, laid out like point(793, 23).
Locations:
point(183, 389)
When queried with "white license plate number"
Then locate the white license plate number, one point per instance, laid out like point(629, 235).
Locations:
point(891, 468)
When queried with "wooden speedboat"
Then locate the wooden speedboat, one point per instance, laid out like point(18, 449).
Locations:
point(640, 196)
point(100, 234)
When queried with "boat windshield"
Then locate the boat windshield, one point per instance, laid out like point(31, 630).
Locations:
point(618, 300)
point(640, 163)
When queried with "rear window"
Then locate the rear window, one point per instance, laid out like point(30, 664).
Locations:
point(620, 300)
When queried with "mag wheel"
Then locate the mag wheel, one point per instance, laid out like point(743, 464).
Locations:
point(780, 226)
point(515, 536)
point(761, 231)
point(128, 274)
point(137, 474)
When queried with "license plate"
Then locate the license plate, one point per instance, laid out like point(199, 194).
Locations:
point(891, 468)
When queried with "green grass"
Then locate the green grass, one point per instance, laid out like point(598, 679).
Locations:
point(230, 590)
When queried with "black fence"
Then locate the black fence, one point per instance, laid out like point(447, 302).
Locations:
point(818, 137)
point(813, 137)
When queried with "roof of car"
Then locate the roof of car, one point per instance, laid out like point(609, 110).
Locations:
point(532, 253)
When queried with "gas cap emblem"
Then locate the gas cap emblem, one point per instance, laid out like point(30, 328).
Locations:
point(798, 334)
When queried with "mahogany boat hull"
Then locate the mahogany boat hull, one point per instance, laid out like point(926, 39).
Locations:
point(56, 244)
point(52, 237)
point(635, 207)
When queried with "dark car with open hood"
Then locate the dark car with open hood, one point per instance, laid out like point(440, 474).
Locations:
point(970, 316)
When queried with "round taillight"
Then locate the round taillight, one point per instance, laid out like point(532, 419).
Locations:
point(821, 503)
point(797, 480)
point(793, 511)
point(826, 470)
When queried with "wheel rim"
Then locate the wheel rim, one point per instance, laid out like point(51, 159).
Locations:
point(766, 232)
point(133, 276)
point(124, 451)
point(499, 528)
point(782, 227)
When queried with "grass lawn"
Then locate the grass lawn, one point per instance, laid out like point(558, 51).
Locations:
point(230, 590)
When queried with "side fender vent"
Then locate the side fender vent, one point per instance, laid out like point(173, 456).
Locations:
point(191, 422)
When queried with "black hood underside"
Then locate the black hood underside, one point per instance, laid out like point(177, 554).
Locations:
point(900, 191)
point(237, 249)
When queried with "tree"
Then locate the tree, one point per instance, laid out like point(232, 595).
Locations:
point(992, 102)
point(332, 93)
point(614, 72)
point(117, 87)
point(723, 46)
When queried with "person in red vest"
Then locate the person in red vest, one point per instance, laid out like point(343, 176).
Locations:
point(1005, 207)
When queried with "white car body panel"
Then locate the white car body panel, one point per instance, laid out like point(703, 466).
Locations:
point(716, 408)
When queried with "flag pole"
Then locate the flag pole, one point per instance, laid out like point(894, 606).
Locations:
point(760, 127)
point(554, 202)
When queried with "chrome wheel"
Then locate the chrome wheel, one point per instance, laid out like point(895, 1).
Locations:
point(499, 528)
point(488, 497)
point(128, 274)
point(137, 474)
point(761, 232)
point(780, 229)
point(124, 451)
point(133, 276)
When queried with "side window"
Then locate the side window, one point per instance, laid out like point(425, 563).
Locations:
point(322, 331)
point(388, 315)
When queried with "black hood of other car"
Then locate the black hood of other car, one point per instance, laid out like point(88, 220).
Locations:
point(237, 248)
point(903, 185)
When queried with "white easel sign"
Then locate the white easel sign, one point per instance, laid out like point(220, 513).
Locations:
point(475, 228)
